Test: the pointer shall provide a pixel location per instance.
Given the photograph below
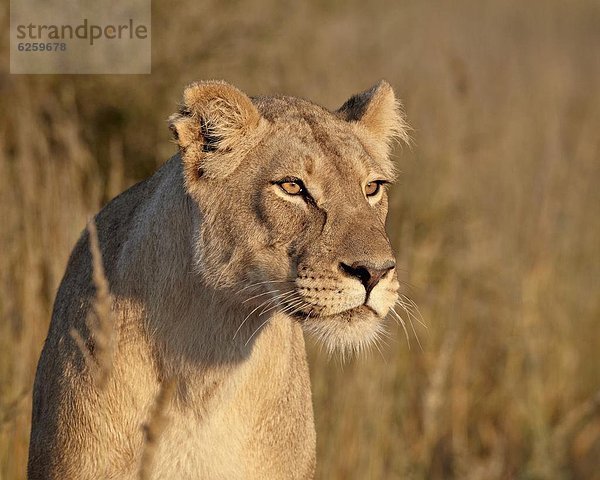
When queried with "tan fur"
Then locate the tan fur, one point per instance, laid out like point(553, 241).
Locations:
point(214, 273)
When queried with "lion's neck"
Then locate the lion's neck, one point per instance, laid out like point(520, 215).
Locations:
point(192, 328)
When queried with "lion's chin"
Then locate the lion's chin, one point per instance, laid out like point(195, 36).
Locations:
point(348, 333)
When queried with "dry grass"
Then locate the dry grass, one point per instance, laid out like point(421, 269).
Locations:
point(496, 218)
point(155, 426)
point(100, 321)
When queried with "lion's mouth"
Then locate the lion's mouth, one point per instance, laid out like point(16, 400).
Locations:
point(354, 313)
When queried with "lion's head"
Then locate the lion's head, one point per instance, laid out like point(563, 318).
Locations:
point(292, 199)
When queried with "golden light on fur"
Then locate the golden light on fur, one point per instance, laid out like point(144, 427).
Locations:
point(215, 127)
point(377, 114)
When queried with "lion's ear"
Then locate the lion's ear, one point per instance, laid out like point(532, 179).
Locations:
point(378, 114)
point(215, 128)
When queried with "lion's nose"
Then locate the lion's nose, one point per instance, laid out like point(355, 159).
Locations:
point(367, 273)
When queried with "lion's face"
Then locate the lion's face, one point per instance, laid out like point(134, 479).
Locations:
point(295, 221)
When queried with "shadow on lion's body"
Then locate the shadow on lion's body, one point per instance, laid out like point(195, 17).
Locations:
point(184, 252)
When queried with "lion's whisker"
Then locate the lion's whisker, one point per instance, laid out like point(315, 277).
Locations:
point(260, 295)
point(247, 317)
point(264, 304)
point(295, 306)
point(291, 306)
point(279, 299)
point(403, 324)
point(375, 342)
point(298, 308)
point(418, 316)
point(384, 333)
point(255, 331)
point(262, 283)
point(267, 320)
point(412, 325)
point(406, 308)
point(278, 304)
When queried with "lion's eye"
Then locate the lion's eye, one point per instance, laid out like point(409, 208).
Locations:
point(292, 188)
point(372, 189)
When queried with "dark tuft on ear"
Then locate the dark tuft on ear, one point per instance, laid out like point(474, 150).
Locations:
point(215, 127)
point(377, 112)
point(210, 138)
point(356, 106)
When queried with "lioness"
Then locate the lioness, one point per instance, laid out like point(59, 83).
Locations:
point(269, 220)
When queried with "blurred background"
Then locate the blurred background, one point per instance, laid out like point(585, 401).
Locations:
point(495, 218)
